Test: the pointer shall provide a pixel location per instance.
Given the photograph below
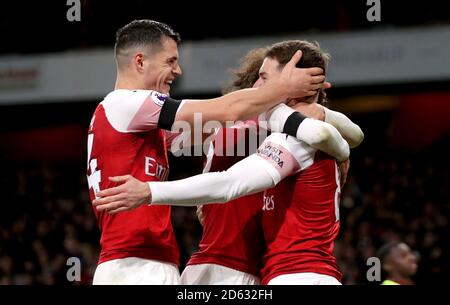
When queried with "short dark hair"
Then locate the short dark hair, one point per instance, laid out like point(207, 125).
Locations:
point(143, 32)
point(312, 56)
point(385, 250)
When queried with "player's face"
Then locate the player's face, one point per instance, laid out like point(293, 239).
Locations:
point(403, 260)
point(163, 67)
point(270, 69)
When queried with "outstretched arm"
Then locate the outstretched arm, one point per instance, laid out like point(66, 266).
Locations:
point(245, 103)
point(277, 158)
point(248, 176)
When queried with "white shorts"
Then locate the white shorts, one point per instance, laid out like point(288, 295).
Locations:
point(213, 274)
point(136, 271)
point(307, 278)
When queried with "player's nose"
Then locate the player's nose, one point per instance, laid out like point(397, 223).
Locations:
point(258, 83)
point(177, 71)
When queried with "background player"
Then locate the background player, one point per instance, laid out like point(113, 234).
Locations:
point(398, 263)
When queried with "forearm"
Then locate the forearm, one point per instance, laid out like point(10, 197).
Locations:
point(324, 137)
point(284, 119)
point(349, 130)
point(244, 178)
point(264, 98)
point(315, 133)
point(238, 105)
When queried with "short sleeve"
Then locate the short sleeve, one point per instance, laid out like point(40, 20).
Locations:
point(139, 110)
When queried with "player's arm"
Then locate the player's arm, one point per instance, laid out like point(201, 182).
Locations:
point(318, 134)
point(250, 175)
point(351, 132)
point(325, 137)
point(245, 103)
point(285, 119)
point(145, 110)
point(243, 178)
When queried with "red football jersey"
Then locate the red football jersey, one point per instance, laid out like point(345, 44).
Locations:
point(124, 138)
point(301, 214)
point(232, 235)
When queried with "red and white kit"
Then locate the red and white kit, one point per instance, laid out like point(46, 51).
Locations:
point(232, 242)
point(300, 215)
point(123, 139)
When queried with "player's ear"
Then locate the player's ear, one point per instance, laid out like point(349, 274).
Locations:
point(138, 62)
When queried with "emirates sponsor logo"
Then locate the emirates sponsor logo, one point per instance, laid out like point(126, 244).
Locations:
point(155, 169)
point(268, 203)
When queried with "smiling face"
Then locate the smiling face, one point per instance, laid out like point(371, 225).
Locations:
point(146, 54)
point(161, 68)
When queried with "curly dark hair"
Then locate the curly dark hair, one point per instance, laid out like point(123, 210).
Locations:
point(248, 72)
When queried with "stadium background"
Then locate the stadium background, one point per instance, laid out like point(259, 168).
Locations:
point(399, 177)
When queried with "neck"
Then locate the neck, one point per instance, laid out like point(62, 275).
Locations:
point(129, 82)
point(312, 99)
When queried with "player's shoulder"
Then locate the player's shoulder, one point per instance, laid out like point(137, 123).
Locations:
point(133, 110)
point(130, 97)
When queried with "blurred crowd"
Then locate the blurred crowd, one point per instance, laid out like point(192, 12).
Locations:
point(392, 194)
point(396, 195)
point(46, 219)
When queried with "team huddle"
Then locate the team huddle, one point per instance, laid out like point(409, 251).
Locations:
point(269, 217)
